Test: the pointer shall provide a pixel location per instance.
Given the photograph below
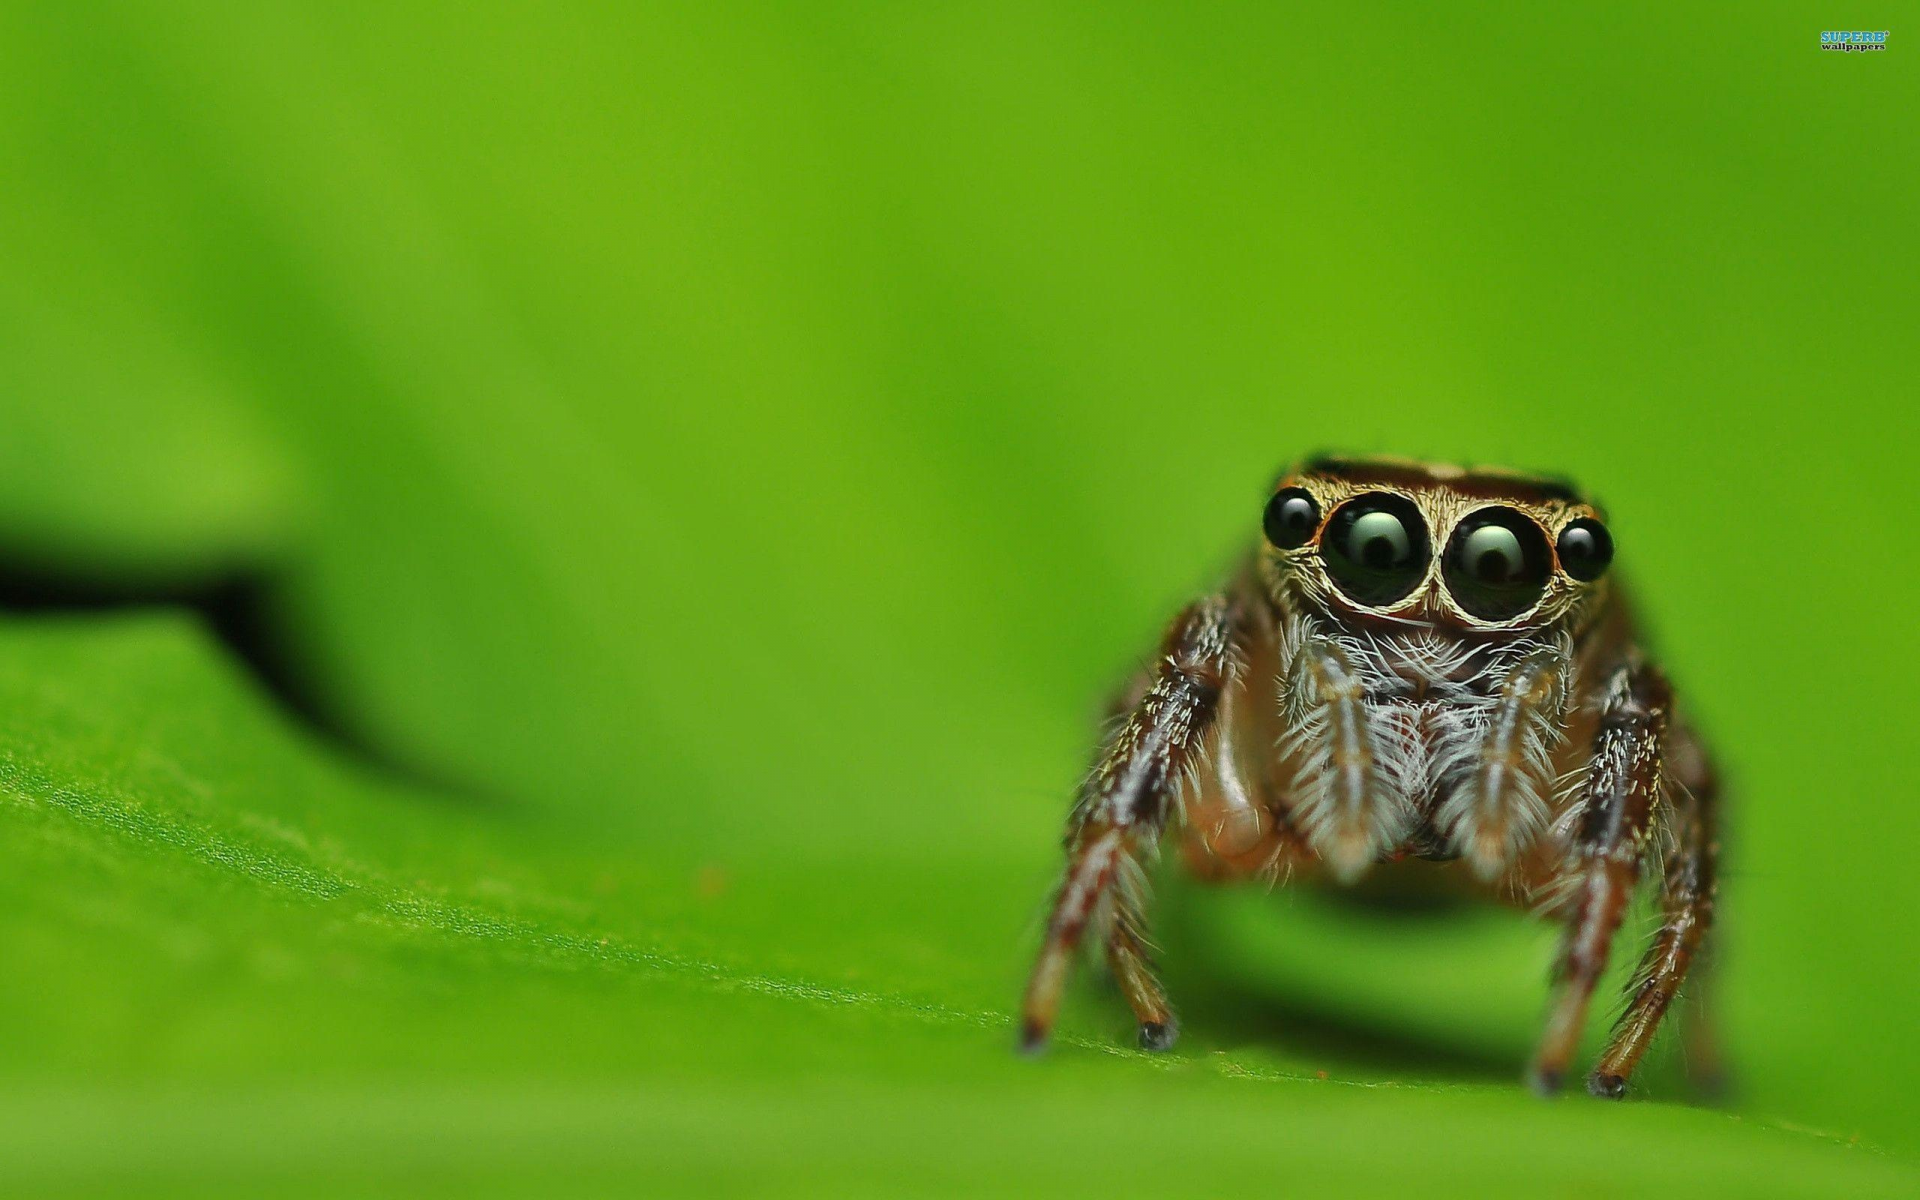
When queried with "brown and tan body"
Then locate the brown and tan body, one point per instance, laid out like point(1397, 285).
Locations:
point(1418, 662)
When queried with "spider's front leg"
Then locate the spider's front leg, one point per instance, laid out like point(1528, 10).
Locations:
point(1118, 818)
point(1622, 793)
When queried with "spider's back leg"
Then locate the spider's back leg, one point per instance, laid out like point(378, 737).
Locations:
point(1687, 900)
point(1622, 794)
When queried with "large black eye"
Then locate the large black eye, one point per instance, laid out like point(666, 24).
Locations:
point(1497, 564)
point(1291, 518)
point(1376, 548)
point(1585, 549)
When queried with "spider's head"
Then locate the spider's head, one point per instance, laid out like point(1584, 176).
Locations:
point(1397, 541)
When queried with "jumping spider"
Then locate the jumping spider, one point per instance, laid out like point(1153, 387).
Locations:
point(1418, 662)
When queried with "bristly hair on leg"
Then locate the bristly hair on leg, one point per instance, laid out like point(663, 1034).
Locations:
point(1350, 785)
point(1132, 873)
point(1495, 755)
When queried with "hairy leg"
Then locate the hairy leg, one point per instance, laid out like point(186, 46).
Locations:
point(1499, 764)
point(1348, 792)
point(1706, 1064)
point(1687, 898)
point(1622, 793)
point(1122, 808)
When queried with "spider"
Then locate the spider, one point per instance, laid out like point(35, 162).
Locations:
point(1418, 662)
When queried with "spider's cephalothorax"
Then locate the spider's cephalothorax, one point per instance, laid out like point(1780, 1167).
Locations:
point(1419, 662)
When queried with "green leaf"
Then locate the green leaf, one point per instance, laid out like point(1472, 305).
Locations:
point(704, 466)
point(252, 962)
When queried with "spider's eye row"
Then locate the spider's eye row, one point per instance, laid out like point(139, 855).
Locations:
point(1291, 518)
point(1375, 548)
point(1585, 549)
point(1497, 564)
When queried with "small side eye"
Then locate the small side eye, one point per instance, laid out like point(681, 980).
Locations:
point(1375, 548)
point(1291, 518)
point(1497, 564)
point(1585, 549)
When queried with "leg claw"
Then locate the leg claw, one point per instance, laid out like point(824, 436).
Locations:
point(1033, 1040)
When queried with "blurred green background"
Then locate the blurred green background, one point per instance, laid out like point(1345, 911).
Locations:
point(709, 460)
